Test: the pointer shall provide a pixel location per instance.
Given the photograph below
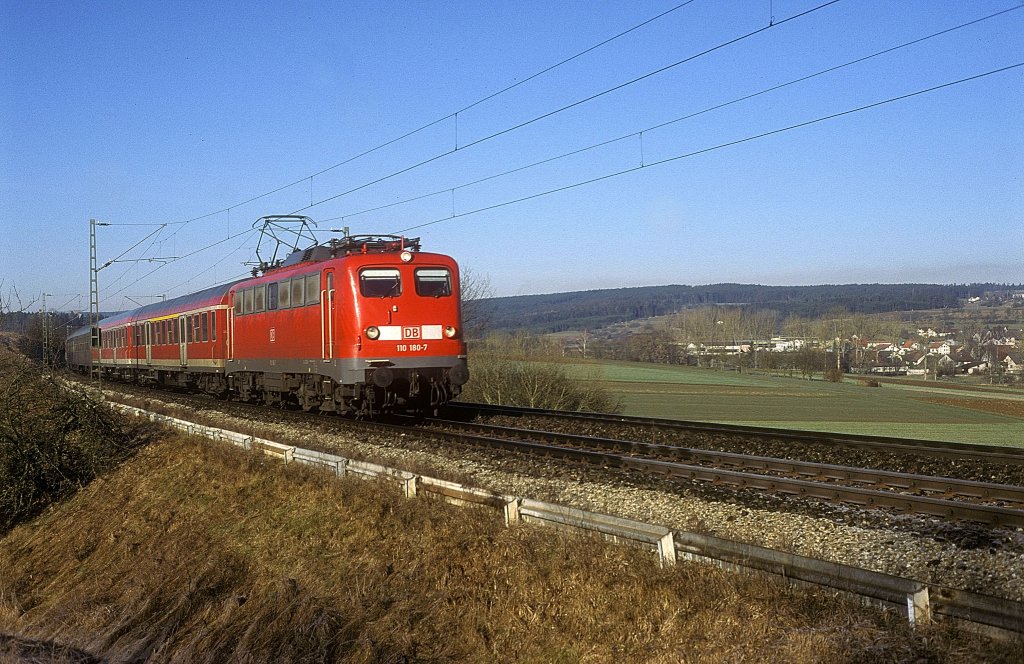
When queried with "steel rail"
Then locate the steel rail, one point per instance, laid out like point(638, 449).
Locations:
point(954, 450)
point(670, 470)
point(947, 486)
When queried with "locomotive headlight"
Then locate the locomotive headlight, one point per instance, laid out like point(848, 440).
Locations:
point(450, 331)
point(406, 256)
point(372, 332)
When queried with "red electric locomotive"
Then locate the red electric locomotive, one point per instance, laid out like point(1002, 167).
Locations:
point(360, 325)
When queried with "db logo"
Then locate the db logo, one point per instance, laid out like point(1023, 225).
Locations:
point(410, 333)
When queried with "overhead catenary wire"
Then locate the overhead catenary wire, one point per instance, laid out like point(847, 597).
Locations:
point(478, 141)
point(449, 116)
point(249, 231)
point(737, 100)
point(688, 116)
point(227, 210)
point(144, 252)
point(719, 146)
point(566, 107)
point(198, 274)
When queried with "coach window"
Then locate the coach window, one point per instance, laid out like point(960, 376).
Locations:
point(206, 326)
point(297, 289)
point(312, 288)
point(195, 327)
point(380, 282)
point(433, 282)
point(272, 296)
point(247, 301)
point(188, 329)
point(170, 331)
point(284, 295)
point(213, 325)
point(260, 299)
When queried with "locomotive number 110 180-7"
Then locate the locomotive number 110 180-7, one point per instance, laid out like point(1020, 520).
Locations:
point(415, 348)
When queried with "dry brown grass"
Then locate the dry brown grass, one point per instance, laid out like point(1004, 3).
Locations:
point(197, 552)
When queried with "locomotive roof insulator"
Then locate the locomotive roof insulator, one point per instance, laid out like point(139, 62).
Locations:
point(375, 244)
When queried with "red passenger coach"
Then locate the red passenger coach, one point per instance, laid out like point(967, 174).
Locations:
point(361, 325)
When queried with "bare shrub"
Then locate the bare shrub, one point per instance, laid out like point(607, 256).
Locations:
point(510, 382)
point(52, 442)
point(528, 371)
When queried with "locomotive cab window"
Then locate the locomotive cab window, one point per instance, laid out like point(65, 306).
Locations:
point(433, 282)
point(380, 282)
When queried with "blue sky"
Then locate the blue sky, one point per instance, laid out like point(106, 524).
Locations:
point(153, 113)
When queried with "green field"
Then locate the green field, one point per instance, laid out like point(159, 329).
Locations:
point(893, 409)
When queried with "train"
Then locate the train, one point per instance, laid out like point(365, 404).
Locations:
point(361, 325)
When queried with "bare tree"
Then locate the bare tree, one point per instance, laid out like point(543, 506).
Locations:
point(475, 290)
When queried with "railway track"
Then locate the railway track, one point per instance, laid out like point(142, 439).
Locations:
point(921, 448)
point(980, 502)
point(986, 492)
point(987, 503)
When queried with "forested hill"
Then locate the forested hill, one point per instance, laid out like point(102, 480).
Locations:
point(592, 309)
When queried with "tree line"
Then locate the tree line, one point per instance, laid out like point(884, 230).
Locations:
point(592, 309)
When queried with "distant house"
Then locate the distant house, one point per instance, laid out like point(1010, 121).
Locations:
point(888, 363)
point(910, 345)
point(1013, 366)
point(786, 345)
point(939, 348)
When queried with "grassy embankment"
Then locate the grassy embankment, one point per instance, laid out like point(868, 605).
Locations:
point(911, 409)
point(184, 550)
point(195, 551)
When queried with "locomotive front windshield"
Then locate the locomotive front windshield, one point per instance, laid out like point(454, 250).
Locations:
point(380, 282)
point(433, 282)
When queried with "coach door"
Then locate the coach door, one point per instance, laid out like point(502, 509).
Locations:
point(182, 347)
point(327, 315)
point(149, 344)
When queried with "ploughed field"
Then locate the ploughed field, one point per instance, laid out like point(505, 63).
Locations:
point(962, 555)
